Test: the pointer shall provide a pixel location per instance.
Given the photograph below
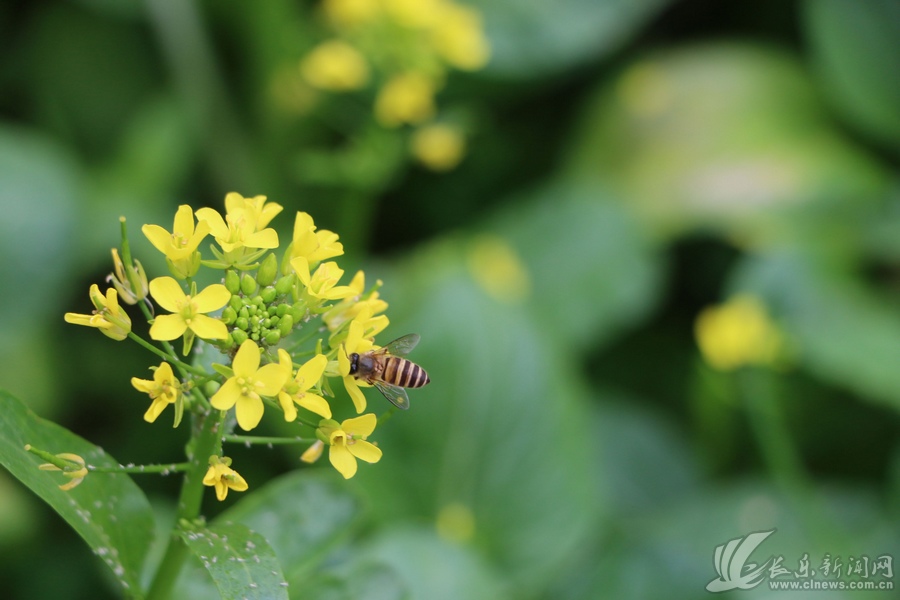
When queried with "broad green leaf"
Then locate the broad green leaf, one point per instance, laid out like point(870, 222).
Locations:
point(108, 510)
point(302, 514)
point(856, 49)
point(534, 38)
point(241, 562)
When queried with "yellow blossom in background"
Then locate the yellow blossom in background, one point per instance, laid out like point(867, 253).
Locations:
point(120, 280)
point(247, 386)
point(351, 13)
point(314, 246)
point(109, 318)
point(738, 333)
point(439, 147)
point(347, 442)
point(497, 268)
point(335, 66)
point(163, 389)
point(458, 37)
point(259, 212)
point(456, 523)
point(180, 246)
point(296, 390)
point(414, 14)
point(406, 98)
point(77, 473)
point(188, 312)
point(223, 477)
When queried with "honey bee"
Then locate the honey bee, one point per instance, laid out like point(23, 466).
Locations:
point(388, 371)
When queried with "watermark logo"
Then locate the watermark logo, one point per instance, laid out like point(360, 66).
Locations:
point(736, 571)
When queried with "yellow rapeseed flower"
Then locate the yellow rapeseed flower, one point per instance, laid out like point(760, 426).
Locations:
point(180, 246)
point(458, 36)
point(188, 311)
point(347, 442)
point(296, 390)
point(335, 66)
point(351, 13)
point(439, 147)
point(738, 333)
point(223, 477)
point(163, 389)
point(247, 386)
point(321, 285)
point(405, 98)
point(76, 473)
point(109, 318)
point(314, 246)
point(259, 212)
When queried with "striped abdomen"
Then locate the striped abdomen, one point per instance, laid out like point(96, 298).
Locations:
point(404, 373)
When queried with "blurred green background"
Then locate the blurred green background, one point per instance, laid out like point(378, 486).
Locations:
point(629, 163)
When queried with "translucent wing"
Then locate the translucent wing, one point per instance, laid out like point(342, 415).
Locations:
point(401, 346)
point(397, 395)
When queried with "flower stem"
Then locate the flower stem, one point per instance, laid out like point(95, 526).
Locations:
point(167, 357)
point(164, 469)
point(256, 439)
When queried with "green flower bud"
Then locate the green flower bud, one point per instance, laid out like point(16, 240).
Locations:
point(239, 336)
point(244, 312)
point(236, 303)
point(267, 270)
point(248, 285)
point(232, 281)
point(273, 321)
point(254, 336)
point(241, 323)
point(210, 388)
point(258, 302)
point(286, 324)
point(284, 285)
point(273, 337)
point(268, 294)
point(228, 315)
point(281, 309)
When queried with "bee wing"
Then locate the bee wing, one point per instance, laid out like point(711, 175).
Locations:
point(401, 346)
point(396, 395)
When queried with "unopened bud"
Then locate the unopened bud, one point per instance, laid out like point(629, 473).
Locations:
point(232, 281)
point(248, 285)
point(267, 270)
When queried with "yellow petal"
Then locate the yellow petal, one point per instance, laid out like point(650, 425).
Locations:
point(249, 412)
point(212, 298)
point(227, 395)
point(184, 222)
point(156, 408)
point(246, 361)
point(301, 267)
point(168, 327)
point(167, 293)
point(360, 426)
point(163, 374)
point(143, 385)
point(201, 232)
point(343, 363)
point(237, 483)
point(363, 450)
point(209, 328)
point(359, 399)
point(217, 225)
point(309, 374)
point(267, 238)
point(314, 403)
point(287, 405)
point(212, 475)
point(159, 237)
point(272, 377)
point(343, 461)
point(77, 319)
point(221, 490)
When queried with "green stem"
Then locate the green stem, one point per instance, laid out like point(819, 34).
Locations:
point(164, 469)
point(167, 357)
point(256, 439)
point(203, 445)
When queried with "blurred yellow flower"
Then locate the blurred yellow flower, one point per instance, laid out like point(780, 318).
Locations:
point(438, 147)
point(350, 13)
point(406, 98)
point(458, 37)
point(109, 318)
point(223, 477)
point(313, 453)
point(414, 14)
point(347, 442)
point(738, 333)
point(163, 389)
point(497, 268)
point(335, 66)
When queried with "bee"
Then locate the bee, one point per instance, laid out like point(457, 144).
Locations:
point(388, 371)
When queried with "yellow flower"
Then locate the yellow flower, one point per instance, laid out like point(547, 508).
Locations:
point(348, 308)
point(259, 212)
point(407, 98)
point(458, 36)
point(313, 453)
point(109, 318)
point(497, 268)
point(180, 246)
point(414, 14)
point(223, 477)
point(350, 13)
point(438, 147)
point(188, 311)
point(314, 246)
point(238, 229)
point(355, 343)
point(322, 285)
point(296, 391)
point(122, 282)
point(248, 384)
point(163, 389)
point(77, 472)
point(347, 442)
point(738, 333)
point(335, 66)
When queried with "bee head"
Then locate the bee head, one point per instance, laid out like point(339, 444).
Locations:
point(354, 363)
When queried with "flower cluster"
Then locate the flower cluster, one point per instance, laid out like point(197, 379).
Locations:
point(404, 49)
point(286, 326)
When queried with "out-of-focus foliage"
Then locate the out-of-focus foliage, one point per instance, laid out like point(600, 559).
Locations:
point(626, 165)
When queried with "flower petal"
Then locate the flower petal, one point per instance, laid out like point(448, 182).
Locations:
point(159, 404)
point(143, 385)
point(227, 395)
point(167, 293)
point(249, 412)
point(267, 238)
point(217, 225)
point(184, 222)
point(246, 361)
point(359, 399)
point(271, 377)
point(360, 426)
point(363, 450)
point(208, 328)
point(309, 374)
point(168, 327)
point(343, 461)
point(301, 267)
point(314, 403)
point(212, 298)
point(287, 405)
point(159, 237)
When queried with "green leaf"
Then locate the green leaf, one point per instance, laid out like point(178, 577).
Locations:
point(538, 37)
point(856, 47)
point(241, 562)
point(302, 514)
point(107, 509)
